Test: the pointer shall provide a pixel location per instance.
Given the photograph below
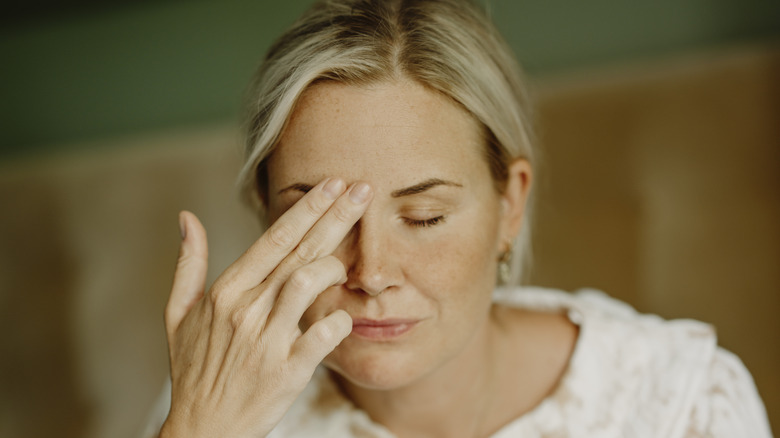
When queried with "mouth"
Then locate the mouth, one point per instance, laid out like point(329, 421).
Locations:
point(382, 330)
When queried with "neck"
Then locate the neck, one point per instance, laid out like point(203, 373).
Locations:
point(452, 401)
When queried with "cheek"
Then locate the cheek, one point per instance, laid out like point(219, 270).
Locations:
point(464, 269)
point(468, 248)
point(451, 258)
point(456, 270)
point(451, 273)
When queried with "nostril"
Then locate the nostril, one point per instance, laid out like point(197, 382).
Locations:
point(370, 283)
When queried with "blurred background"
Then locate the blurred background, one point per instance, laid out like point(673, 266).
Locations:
point(659, 124)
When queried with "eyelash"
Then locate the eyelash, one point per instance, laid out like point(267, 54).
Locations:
point(422, 223)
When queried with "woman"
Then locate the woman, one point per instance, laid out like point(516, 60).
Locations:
point(389, 148)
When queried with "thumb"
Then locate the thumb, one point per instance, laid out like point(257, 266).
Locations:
point(189, 280)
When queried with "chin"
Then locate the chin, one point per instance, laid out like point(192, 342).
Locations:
point(380, 368)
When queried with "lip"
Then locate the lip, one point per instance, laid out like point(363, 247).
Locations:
point(382, 330)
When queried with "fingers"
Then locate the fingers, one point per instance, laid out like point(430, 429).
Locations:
point(326, 234)
point(282, 237)
point(299, 292)
point(189, 279)
point(322, 337)
point(312, 228)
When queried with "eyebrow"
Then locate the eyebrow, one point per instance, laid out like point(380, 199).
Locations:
point(423, 186)
point(301, 187)
point(407, 191)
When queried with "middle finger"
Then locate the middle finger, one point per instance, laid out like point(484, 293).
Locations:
point(326, 235)
point(254, 266)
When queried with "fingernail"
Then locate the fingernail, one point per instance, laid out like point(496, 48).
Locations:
point(359, 193)
point(182, 226)
point(333, 188)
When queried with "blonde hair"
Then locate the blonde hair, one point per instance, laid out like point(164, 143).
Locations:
point(446, 45)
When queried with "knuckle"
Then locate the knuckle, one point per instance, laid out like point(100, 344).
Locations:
point(219, 299)
point(188, 260)
point(324, 334)
point(239, 317)
point(342, 213)
point(312, 206)
point(220, 284)
point(184, 259)
point(301, 280)
point(281, 236)
point(215, 297)
point(308, 251)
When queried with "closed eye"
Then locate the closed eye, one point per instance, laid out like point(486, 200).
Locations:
point(424, 222)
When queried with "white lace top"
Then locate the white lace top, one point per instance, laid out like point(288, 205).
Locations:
point(631, 375)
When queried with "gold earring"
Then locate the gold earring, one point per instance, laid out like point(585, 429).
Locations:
point(504, 270)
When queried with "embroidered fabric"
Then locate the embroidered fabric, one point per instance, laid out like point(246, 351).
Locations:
point(631, 375)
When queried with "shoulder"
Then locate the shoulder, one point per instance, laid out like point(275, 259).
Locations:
point(728, 404)
point(635, 374)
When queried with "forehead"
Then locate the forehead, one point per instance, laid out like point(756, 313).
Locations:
point(387, 133)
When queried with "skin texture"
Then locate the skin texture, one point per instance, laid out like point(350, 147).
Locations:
point(382, 207)
point(238, 358)
point(396, 136)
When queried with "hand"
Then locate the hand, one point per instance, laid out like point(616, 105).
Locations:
point(238, 358)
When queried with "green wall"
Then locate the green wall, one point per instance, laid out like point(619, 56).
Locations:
point(156, 65)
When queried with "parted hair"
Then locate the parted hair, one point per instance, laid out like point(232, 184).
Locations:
point(449, 46)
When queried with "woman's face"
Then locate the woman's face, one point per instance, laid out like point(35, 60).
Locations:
point(421, 262)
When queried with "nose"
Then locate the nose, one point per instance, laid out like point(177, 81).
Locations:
point(371, 266)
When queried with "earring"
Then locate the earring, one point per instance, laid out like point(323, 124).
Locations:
point(504, 260)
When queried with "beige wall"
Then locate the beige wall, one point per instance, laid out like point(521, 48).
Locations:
point(660, 184)
point(663, 188)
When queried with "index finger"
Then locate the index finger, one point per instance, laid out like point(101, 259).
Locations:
point(260, 259)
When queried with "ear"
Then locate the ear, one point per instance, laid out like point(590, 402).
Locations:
point(515, 197)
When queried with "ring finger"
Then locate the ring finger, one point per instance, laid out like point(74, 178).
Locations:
point(326, 235)
point(300, 291)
